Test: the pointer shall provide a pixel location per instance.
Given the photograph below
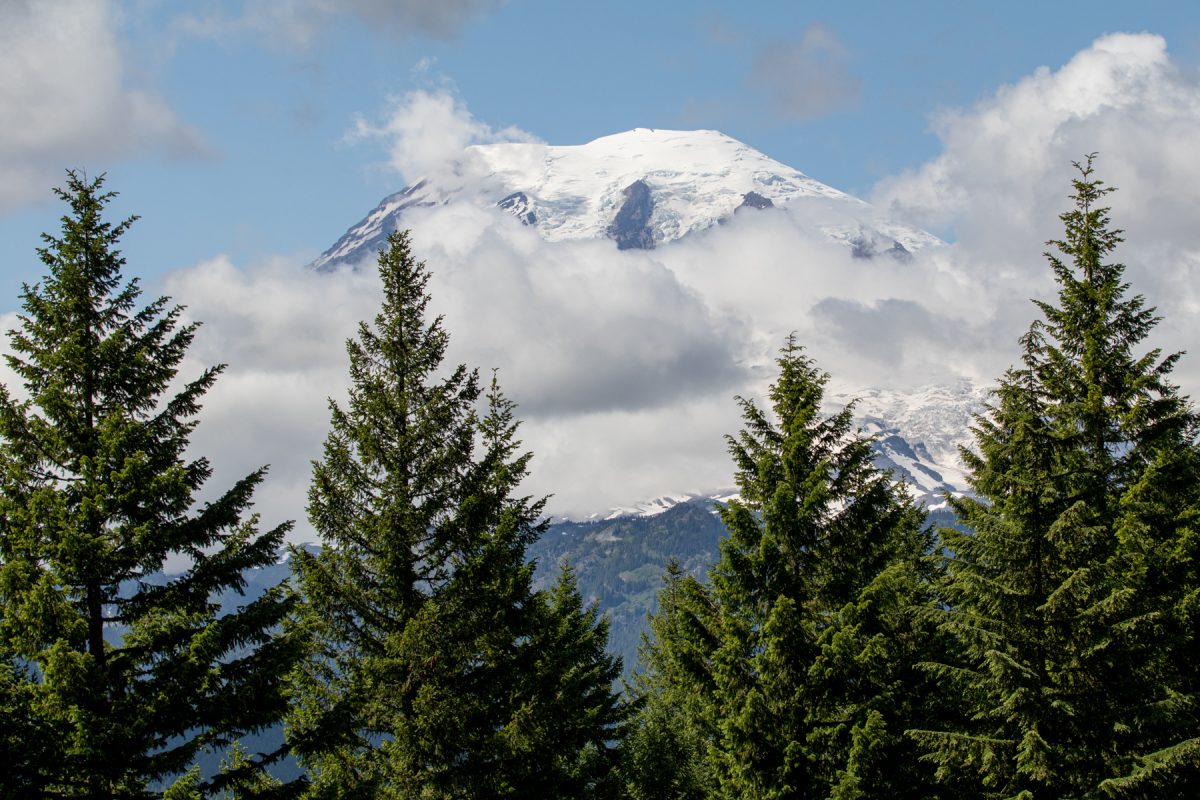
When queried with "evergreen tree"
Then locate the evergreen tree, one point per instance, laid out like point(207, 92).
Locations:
point(434, 655)
point(571, 717)
point(120, 679)
point(805, 641)
point(28, 737)
point(665, 749)
point(1070, 593)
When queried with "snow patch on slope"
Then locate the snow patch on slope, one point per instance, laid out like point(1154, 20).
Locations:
point(919, 432)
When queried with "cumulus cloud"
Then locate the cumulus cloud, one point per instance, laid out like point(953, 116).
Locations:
point(1002, 177)
point(917, 320)
point(807, 77)
point(299, 22)
point(65, 96)
point(426, 133)
point(281, 330)
point(576, 327)
point(1005, 162)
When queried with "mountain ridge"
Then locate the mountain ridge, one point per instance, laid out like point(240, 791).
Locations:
point(643, 189)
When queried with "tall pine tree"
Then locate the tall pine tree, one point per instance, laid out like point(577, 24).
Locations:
point(439, 672)
point(117, 678)
point(1070, 594)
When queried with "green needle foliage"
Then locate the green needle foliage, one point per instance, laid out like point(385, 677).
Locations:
point(1073, 597)
point(438, 671)
point(665, 750)
point(804, 645)
point(112, 682)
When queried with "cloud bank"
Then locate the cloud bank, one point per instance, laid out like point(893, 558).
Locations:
point(625, 364)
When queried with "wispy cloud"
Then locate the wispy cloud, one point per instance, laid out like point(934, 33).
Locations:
point(806, 77)
point(298, 23)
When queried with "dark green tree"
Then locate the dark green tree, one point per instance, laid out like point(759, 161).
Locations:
point(438, 671)
point(571, 716)
point(806, 640)
point(29, 737)
point(1070, 593)
point(119, 678)
point(664, 753)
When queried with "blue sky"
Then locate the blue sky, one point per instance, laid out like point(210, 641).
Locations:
point(266, 92)
point(250, 134)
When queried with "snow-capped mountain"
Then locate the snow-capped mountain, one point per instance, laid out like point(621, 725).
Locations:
point(660, 505)
point(916, 434)
point(646, 188)
point(642, 189)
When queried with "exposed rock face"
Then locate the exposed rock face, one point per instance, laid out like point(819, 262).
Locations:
point(754, 200)
point(631, 229)
point(519, 206)
point(862, 247)
point(869, 244)
point(900, 252)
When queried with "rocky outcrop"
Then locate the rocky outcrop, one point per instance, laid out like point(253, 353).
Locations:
point(519, 205)
point(754, 200)
point(631, 229)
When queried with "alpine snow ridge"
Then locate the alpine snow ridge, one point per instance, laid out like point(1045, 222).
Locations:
point(643, 189)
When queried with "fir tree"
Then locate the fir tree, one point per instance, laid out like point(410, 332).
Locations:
point(431, 672)
point(571, 716)
point(665, 749)
point(118, 678)
point(1069, 594)
point(805, 639)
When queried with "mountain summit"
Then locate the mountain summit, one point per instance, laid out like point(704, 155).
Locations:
point(643, 188)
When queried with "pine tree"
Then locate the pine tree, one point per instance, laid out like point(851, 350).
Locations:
point(429, 678)
point(806, 639)
point(120, 678)
point(1069, 592)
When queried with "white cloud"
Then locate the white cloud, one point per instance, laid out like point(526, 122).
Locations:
point(624, 364)
point(607, 353)
point(808, 77)
point(65, 97)
point(1002, 178)
point(426, 133)
point(1010, 154)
